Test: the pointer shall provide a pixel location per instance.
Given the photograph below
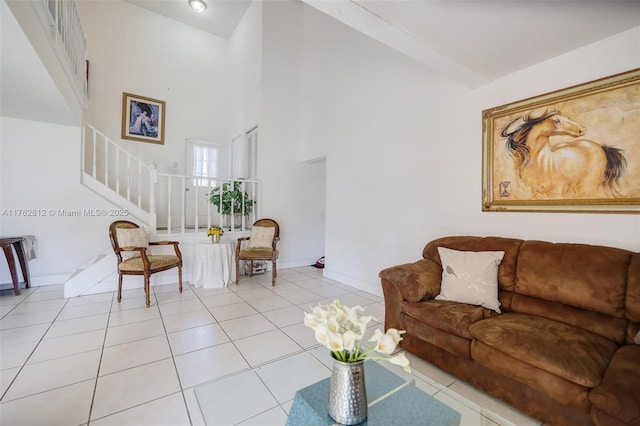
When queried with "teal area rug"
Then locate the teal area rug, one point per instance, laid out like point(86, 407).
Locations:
point(392, 401)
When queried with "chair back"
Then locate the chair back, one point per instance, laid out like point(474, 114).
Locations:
point(113, 235)
point(266, 222)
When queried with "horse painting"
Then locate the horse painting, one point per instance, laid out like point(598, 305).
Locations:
point(573, 167)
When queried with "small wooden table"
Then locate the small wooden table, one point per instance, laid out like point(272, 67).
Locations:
point(16, 242)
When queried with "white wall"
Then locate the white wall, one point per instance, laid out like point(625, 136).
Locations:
point(245, 51)
point(39, 171)
point(133, 50)
point(290, 193)
point(372, 111)
point(404, 146)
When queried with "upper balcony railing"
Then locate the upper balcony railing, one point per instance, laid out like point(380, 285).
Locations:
point(66, 20)
point(54, 30)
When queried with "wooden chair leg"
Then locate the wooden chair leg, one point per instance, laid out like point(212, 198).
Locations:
point(147, 290)
point(274, 274)
point(237, 270)
point(119, 287)
point(180, 278)
point(8, 254)
point(23, 263)
point(251, 269)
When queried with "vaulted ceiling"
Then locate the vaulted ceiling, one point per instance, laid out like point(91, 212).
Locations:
point(476, 41)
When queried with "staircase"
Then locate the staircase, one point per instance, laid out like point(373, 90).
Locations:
point(91, 275)
point(119, 177)
point(124, 180)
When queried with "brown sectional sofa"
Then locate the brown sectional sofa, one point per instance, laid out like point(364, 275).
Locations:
point(562, 349)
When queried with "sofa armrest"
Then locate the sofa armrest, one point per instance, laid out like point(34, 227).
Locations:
point(618, 396)
point(415, 281)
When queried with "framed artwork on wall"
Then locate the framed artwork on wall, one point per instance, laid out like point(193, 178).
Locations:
point(142, 119)
point(572, 150)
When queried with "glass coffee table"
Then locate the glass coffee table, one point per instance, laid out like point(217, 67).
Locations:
point(392, 401)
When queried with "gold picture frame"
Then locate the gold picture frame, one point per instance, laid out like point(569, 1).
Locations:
point(142, 119)
point(572, 150)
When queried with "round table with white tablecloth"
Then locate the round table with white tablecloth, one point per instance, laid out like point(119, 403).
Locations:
point(214, 265)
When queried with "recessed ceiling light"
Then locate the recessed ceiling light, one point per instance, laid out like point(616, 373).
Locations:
point(198, 5)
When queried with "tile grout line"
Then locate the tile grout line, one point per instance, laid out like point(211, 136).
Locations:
point(104, 341)
point(494, 417)
point(173, 358)
point(34, 348)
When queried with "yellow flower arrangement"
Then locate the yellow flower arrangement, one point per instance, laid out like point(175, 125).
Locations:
point(215, 230)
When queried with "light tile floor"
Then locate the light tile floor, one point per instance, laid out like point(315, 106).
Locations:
point(92, 360)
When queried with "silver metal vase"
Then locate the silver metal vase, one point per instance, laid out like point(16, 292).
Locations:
point(347, 393)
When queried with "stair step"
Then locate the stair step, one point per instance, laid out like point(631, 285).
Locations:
point(89, 275)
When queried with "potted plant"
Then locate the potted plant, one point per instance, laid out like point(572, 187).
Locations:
point(232, 195)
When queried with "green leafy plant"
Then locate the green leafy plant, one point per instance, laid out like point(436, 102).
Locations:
point(231, 194)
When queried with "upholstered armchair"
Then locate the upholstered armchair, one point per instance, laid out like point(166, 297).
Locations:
point(265, 234)
point(131, 244)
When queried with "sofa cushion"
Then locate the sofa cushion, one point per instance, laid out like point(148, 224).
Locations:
point(510, 246)
point(452, 317)
point(423, 332)
point(470, 277)
point(585, 276)
point(619, 394)
point(569, 352)
point(261, 237)
point(555, 387)
point(632, 303)
point(131, 237)
point(608, 327)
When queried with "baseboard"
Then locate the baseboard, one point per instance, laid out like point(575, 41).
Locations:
point(43, 280)
point(353, 282)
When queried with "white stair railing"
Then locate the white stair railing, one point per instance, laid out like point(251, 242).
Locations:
point(167, 203)
point(189, 203)
point(110, 164)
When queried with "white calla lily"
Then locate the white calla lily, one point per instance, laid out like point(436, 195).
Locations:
point(336, 342)
point(349, 340)
point(352, 313)
point(333, 325)
point(385, 345)
point(321, 335)
point(363, 322)
point(395, 334)
point(401, 360)
point(341, 329)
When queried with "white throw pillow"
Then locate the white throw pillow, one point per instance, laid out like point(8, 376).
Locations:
point(470, 277)
point(261, 237)
point(134, 237)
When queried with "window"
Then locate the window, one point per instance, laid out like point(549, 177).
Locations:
point(203, 160)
